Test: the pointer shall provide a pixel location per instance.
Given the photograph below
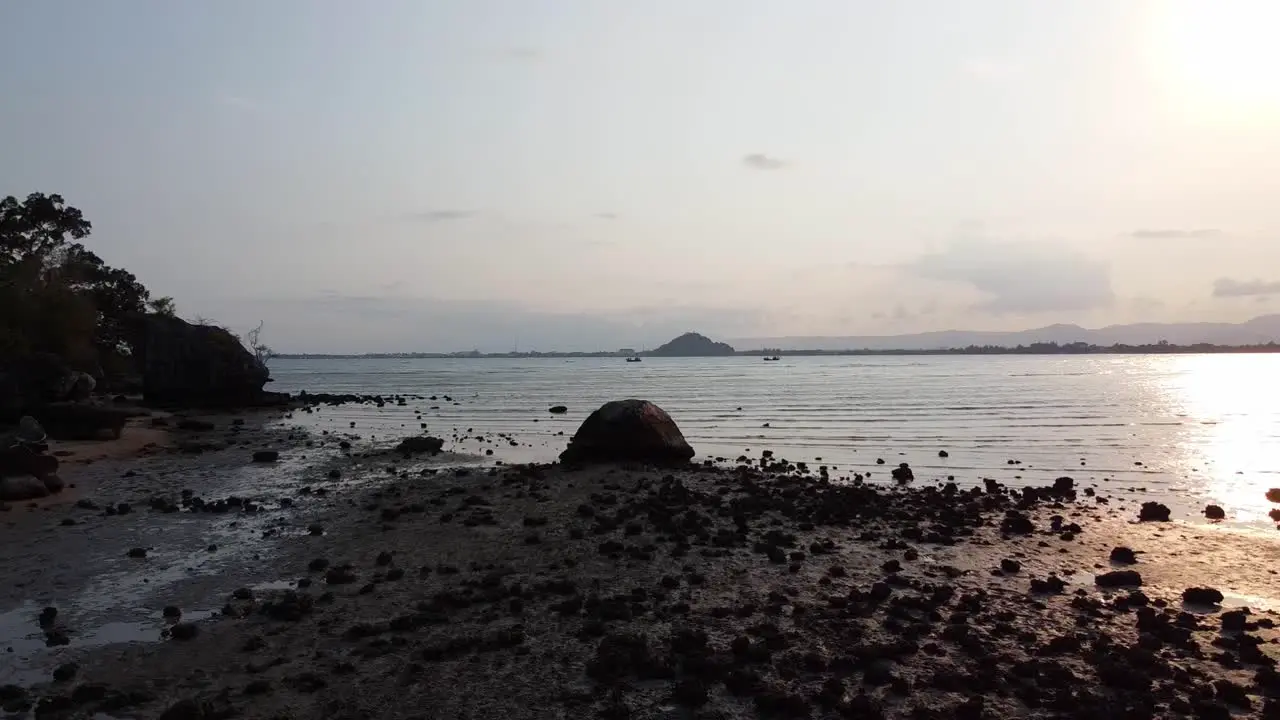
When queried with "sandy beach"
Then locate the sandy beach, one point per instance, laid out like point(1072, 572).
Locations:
point(364, 584)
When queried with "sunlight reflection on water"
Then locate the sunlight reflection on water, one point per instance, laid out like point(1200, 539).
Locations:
point(1231, 443)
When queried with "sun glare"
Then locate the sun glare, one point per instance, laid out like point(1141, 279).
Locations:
point(1222, 53)
point(1232, 407)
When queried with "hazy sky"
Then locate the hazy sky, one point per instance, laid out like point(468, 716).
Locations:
point(433, 175)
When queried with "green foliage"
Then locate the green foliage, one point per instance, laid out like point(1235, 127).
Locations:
point(56, 296)
point(163, 306)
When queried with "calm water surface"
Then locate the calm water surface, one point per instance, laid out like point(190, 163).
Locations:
point(1204, 428)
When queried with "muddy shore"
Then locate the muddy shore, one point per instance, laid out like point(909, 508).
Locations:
point(385, 587)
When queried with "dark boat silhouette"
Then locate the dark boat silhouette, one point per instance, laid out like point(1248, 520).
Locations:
point(773, 358)
point(634, 359)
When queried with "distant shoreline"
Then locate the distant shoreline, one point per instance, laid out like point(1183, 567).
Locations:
point(1037, 349)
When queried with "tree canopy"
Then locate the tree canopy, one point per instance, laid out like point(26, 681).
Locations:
point(56, 295)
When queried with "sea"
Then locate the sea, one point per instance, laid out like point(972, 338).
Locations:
point(1185, 430)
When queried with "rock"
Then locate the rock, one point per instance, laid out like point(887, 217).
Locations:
point(1009, 565)
point(1274, 495)
point(53, 484)
point(902, 473)
point(171, 611)
point(47, 617)
point(1064, 484)
point(30, 431)
point(1118, 578)
point(558, 409)
point(1123, 555)
point(137, 552)
point(1017, 523)
point(194, 425)
point(628, 431)
point(82, 421)
point(196, 365)
point(189, 709)
point(420, 444)
point(81, 386)
point(1234, 620)
point(1202, 596)
point(1214, 512)
point(65, 672)
point(943, 454)
point(31, 381)
point(340, 576)
point(1153, 512)
point(15, 489)
point(266, 456)
point(20, 461)
point(184, 631)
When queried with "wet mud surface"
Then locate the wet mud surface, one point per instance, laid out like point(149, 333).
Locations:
point(408, 590)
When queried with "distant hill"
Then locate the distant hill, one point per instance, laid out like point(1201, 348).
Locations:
point(1259, 330)
point(692, 345)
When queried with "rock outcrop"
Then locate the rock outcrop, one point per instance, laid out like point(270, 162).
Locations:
point(628, 431)
point(34, 380)
point(196, 365)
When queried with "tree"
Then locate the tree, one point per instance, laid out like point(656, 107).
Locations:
point(163, 306)
point(261, 352)
point(37, 228)
point(57, 296)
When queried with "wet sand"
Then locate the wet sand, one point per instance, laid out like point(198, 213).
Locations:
point(545, 592)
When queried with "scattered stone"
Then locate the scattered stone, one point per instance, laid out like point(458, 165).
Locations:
point(1214, 512)
point(1118, 578)
point(340, 576)
point(1123, 556)
point(1153, 512)
point(558, 409)
point(1010, 566)
point(266, 456)
point(137, 552)
point(1202, 596)
point(417, 444)
point(184, 631)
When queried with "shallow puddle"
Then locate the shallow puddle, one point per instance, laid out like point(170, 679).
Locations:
point(29, 660)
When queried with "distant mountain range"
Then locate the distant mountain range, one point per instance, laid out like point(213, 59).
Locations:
point(1259, 330)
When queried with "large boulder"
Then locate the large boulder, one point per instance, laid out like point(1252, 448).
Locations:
point(21, 461)
point(628, 431)
point(16, 489)
point(33, 380)
point(82, 421)
point(196, 365)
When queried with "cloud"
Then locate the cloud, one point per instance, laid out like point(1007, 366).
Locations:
point(1228, 287)
point(1021, 277)
point(760, 161)
point(1175, 234)
point(443, 215)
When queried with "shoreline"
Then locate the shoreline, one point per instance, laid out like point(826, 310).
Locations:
point(484, 592)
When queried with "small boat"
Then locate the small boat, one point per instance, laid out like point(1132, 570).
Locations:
point(634, 359)
point(773, 358)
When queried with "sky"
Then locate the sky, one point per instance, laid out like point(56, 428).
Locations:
point(439, 175)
